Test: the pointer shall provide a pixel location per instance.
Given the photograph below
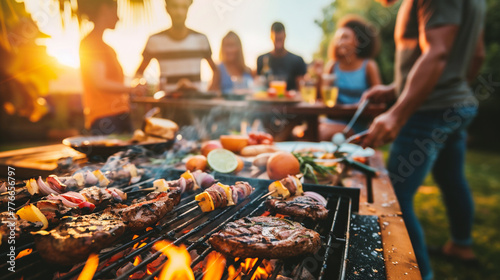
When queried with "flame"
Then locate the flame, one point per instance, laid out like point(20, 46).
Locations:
point(233, 274)
point(149, 272)
point(89, 268)
point(149, 228)
point(177, 266)
point(137, 260)
point(215, 266)
point(23, 253)
point(262, 271)
point(281, 216)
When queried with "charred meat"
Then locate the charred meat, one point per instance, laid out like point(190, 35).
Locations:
point(10, 222)
point(266, 237)
point(75, 238)
point(298, 206)
point(148, 212)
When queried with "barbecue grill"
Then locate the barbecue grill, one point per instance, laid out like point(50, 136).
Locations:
point(187, 225)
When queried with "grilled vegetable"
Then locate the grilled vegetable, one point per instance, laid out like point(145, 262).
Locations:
point(220, 195)
point(32, 214)
point(205, 202)
point(286, 187)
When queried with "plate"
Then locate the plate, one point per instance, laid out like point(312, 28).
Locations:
point(103, 146)
point(352, 149)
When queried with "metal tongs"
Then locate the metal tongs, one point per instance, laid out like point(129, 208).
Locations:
point(339, 137)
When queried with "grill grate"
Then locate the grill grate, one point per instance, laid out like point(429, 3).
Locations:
point(186, 224)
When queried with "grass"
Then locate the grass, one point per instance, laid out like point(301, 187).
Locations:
point(482, 173)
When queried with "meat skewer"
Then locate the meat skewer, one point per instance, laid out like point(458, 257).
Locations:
point(219, 195)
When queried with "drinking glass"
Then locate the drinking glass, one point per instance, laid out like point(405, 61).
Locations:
point(308, 90)
point(279, 84)
point(329, 92)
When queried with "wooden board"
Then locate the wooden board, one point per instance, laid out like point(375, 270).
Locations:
point(37, 161)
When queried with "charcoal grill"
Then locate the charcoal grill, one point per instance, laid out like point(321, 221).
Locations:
point(187, 225)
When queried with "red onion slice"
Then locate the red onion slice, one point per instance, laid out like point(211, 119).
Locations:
point(64, 201)
point(317, 197)
point(44, 188)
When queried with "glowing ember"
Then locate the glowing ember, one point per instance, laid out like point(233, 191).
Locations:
point(89, 268)
point(215, 266)
point(137, 260)
point(233, 274)
point(177, 266)
point(24, 253)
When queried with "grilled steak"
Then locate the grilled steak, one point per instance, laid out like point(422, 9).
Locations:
point(10, 222)
point(266, 237)
point(75, 238)
point(298, 206)
point(146, 213)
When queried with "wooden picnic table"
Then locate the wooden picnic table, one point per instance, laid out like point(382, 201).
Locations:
point(399, 257)
point(278, 115)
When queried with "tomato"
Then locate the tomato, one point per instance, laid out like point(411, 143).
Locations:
point(71, 198)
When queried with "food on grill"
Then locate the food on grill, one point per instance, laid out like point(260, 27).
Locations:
point(76, 237)
point(254, 150)
point(54, 210)
point(286, 187)
point(182, 184)
point(149, 211)
point(265, 237)
point(163, 128)
point(220, 195)
point(31, 213)
point(282, 164)
point(298, 206)
point(21, 195)
point(13, 227)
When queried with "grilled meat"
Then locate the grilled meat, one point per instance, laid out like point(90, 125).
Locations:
point(21, 196)
point(75, 238)
point(97, 196)
point(20, 226)
point(148, 212)
point(54, 210)
point(266, 237)
point(220, 195)
point(298, 206)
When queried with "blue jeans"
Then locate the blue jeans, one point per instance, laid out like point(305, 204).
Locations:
point(434, 141)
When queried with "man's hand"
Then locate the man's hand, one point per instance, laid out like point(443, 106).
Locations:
point(383, 130)
point(380, 94)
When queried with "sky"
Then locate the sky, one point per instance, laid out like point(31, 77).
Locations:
point(250, 19)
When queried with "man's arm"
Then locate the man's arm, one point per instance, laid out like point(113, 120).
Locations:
point(436, 44)
point(477, 59)
point(214, 84)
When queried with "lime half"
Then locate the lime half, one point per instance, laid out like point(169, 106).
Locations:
point(222, 160)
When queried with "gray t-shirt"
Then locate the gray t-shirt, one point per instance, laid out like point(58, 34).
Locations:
point(452, 88)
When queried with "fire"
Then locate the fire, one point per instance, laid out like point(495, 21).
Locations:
point(89, 268)
point(262, 272)
point(215, 266)
point(24, 253)
point(177, 266)
point(137, 260)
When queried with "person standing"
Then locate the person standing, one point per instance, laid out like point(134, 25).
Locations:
point(439, 49)
point(234, 74)
point(179, 51)
point(280, 61)
point(105, 97)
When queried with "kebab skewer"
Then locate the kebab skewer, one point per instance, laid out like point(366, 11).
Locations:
point(219, 195)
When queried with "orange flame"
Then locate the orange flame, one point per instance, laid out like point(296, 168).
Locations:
point(215, 266)
point(262, 271)
point(23, 253)
point(137, 260)
point(233, 274)
point(177, 266)
point(89, 268)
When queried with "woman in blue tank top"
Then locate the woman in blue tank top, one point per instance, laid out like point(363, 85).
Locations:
point(351, 51)
point(234, 74)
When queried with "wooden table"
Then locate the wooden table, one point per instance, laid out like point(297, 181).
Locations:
point(279, 113)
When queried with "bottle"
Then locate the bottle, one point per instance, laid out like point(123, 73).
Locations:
point(266, 70)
